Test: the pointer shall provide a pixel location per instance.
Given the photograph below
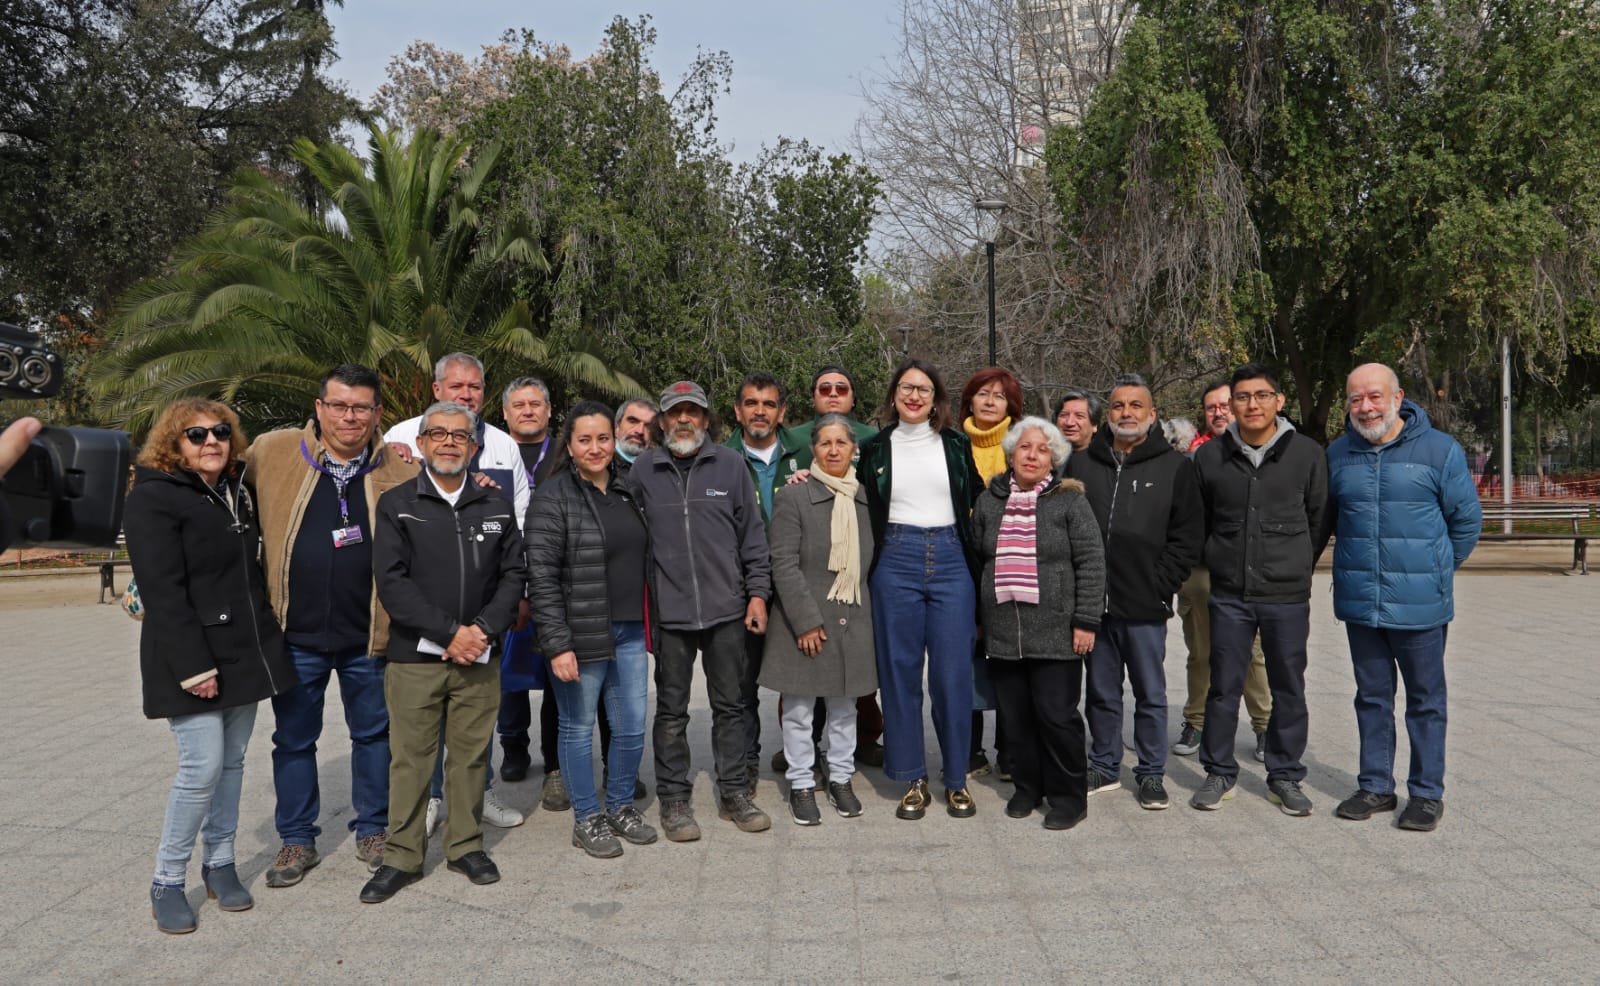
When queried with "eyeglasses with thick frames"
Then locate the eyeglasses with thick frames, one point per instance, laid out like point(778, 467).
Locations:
point(914, 389)
point(444, 436)
point(340, 409)
point(1256, 397)
point(829, 388)
point(197, 435)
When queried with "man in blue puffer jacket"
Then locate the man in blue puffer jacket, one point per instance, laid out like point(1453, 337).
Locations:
point(1406, 516)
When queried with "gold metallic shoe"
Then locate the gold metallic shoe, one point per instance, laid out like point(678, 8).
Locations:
point(915, 803)
point(959, 804)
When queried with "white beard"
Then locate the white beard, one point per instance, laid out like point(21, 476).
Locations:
point(685, 447)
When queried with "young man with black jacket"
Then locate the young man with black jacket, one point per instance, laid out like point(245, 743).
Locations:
point(1265, 488)
point(1144, 495)
point(449, 566)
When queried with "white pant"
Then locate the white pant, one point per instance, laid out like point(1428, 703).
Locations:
point(840, 736)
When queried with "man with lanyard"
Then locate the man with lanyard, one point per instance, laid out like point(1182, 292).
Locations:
point(526, 407)
point(759, 410)
point(497, 461)
point(316, 490)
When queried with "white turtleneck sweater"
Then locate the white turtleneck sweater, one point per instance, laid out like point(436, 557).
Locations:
point(920, 483)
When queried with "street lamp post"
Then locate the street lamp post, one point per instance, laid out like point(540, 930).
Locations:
point(989, 219)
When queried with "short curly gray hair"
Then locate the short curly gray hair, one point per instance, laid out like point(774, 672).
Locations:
point(1060, 448)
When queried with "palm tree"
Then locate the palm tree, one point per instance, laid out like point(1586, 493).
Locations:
point(270, 296)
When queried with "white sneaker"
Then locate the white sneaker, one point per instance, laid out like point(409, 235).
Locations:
point(431, 820)
point(499, 815)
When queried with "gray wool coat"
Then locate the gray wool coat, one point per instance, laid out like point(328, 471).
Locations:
point(1072, 574)
point(802, 517)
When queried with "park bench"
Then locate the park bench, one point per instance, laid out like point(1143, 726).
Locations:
point(108, 572)
point(1495, 515)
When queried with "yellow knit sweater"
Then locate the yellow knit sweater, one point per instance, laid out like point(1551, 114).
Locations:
point(986, 450)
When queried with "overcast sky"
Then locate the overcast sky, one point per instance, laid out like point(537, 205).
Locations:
point(797, 66)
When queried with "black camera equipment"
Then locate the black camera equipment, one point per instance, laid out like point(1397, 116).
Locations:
point(67, 489)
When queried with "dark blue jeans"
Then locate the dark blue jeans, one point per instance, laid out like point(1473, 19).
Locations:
point(1418, 655)
point(1284, 628)
point(1139, 648)
point(923, 602)
point(294, 744)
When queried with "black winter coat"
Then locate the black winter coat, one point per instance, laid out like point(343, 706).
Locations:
point(1150, 515)
point(567, 567)
point(439, 566)
point(205, 599)
point(1264, 527)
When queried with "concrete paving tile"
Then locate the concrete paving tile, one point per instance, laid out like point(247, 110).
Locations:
point(1584, 919)
point(1347, 937)
point(1532, 931)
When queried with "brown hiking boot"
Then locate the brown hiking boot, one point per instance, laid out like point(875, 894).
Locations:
point(291, 865)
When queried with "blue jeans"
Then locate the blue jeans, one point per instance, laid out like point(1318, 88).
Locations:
point(1284, 629)
point(294, 744)
point(1418, 655)
point(923, 601)
point(1140, 647)
point(205, 794)
point(624, 681)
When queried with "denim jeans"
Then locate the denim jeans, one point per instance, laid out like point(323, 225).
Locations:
point(1418, 655)
point(1284, 628)
point(721, 650)
point(205, 794)
point(624, 683)
point(1140, 648)
point(923, 602)
point(298, 712)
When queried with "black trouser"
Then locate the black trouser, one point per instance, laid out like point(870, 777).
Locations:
point(750, 699)
point(1044, 732)
point(722, 652)
point(516, 718)
point(1284, 628)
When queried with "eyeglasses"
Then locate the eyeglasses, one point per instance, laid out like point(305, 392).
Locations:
point(340, 409)
point(443, 436)
point(1219, 408)
point(1258, 397)
point(915, 389)
point(197, 434)
point(829, 388)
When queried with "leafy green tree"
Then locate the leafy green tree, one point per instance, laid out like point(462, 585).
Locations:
point(271, 295)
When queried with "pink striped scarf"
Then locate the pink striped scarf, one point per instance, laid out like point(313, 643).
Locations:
point(1016, 553)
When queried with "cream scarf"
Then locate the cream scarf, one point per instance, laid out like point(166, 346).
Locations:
point(844, 557)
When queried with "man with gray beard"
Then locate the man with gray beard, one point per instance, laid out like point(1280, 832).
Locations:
point(1404, 508)
point(711, 576)
point(633, 424)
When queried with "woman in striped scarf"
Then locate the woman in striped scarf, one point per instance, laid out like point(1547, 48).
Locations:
point(1040, 598)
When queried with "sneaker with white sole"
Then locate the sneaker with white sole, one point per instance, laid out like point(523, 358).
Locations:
point(430, 819)
point(499, 815)
point(1188, 742)
point(1289, 798)
point(1212, 793)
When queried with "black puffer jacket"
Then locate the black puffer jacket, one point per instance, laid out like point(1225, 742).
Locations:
point(567, 567)
point(205, 600)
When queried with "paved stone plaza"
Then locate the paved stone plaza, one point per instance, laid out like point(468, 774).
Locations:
point(1508, 889)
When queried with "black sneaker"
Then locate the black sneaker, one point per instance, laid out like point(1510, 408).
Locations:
point(1152, 793)
point(803, 806)
point(628, 823)
point(593, 836)
point(1261, 747)
point(844, 800)
point(978, 764)
point(1364, 804)
point(1188, 742)
point(1102, 782)
point(1289, 798)
point(1421, 815)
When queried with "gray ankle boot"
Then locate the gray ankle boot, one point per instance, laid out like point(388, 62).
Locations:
point(223, 886)
point(171, 910)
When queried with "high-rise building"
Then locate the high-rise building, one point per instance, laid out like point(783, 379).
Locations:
point(1064, 49)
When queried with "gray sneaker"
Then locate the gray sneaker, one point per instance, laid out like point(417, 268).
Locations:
point(677, 821)
point(1289, 798)
point(628, 823)
point(553, 796)
point(594, 837)
point(1212, 793)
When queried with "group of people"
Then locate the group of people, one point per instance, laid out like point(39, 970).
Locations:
point(444, 568)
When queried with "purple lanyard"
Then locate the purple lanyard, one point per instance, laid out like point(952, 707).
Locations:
point(338, 484)
point(544, 447)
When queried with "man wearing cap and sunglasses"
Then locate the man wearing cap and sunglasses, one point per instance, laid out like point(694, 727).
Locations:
point(711, 580)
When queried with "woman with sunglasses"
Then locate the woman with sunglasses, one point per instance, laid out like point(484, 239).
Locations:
point(209, 648)
point(921, 485)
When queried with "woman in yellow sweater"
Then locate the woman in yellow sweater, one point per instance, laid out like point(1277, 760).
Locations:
point(990, 402)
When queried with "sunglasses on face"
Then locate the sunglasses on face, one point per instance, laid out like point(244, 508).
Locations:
point(829, 389)
point(197, 434)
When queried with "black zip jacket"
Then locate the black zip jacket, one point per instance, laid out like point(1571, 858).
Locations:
point(1148, 505)
point(439, 567)
point(198, 564)
point(1264, 527)
point(875, 469)
point(567, 567)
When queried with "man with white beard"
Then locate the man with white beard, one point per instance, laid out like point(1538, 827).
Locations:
point(711, 578)
point(1404, 507)
point(633, 424)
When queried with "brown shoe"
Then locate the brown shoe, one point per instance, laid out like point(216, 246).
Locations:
point(370, 850)
point(291, 865)
point(914, 804)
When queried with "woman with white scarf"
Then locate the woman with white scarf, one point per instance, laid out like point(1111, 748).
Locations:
point(819, 642)
point(1040, 594)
